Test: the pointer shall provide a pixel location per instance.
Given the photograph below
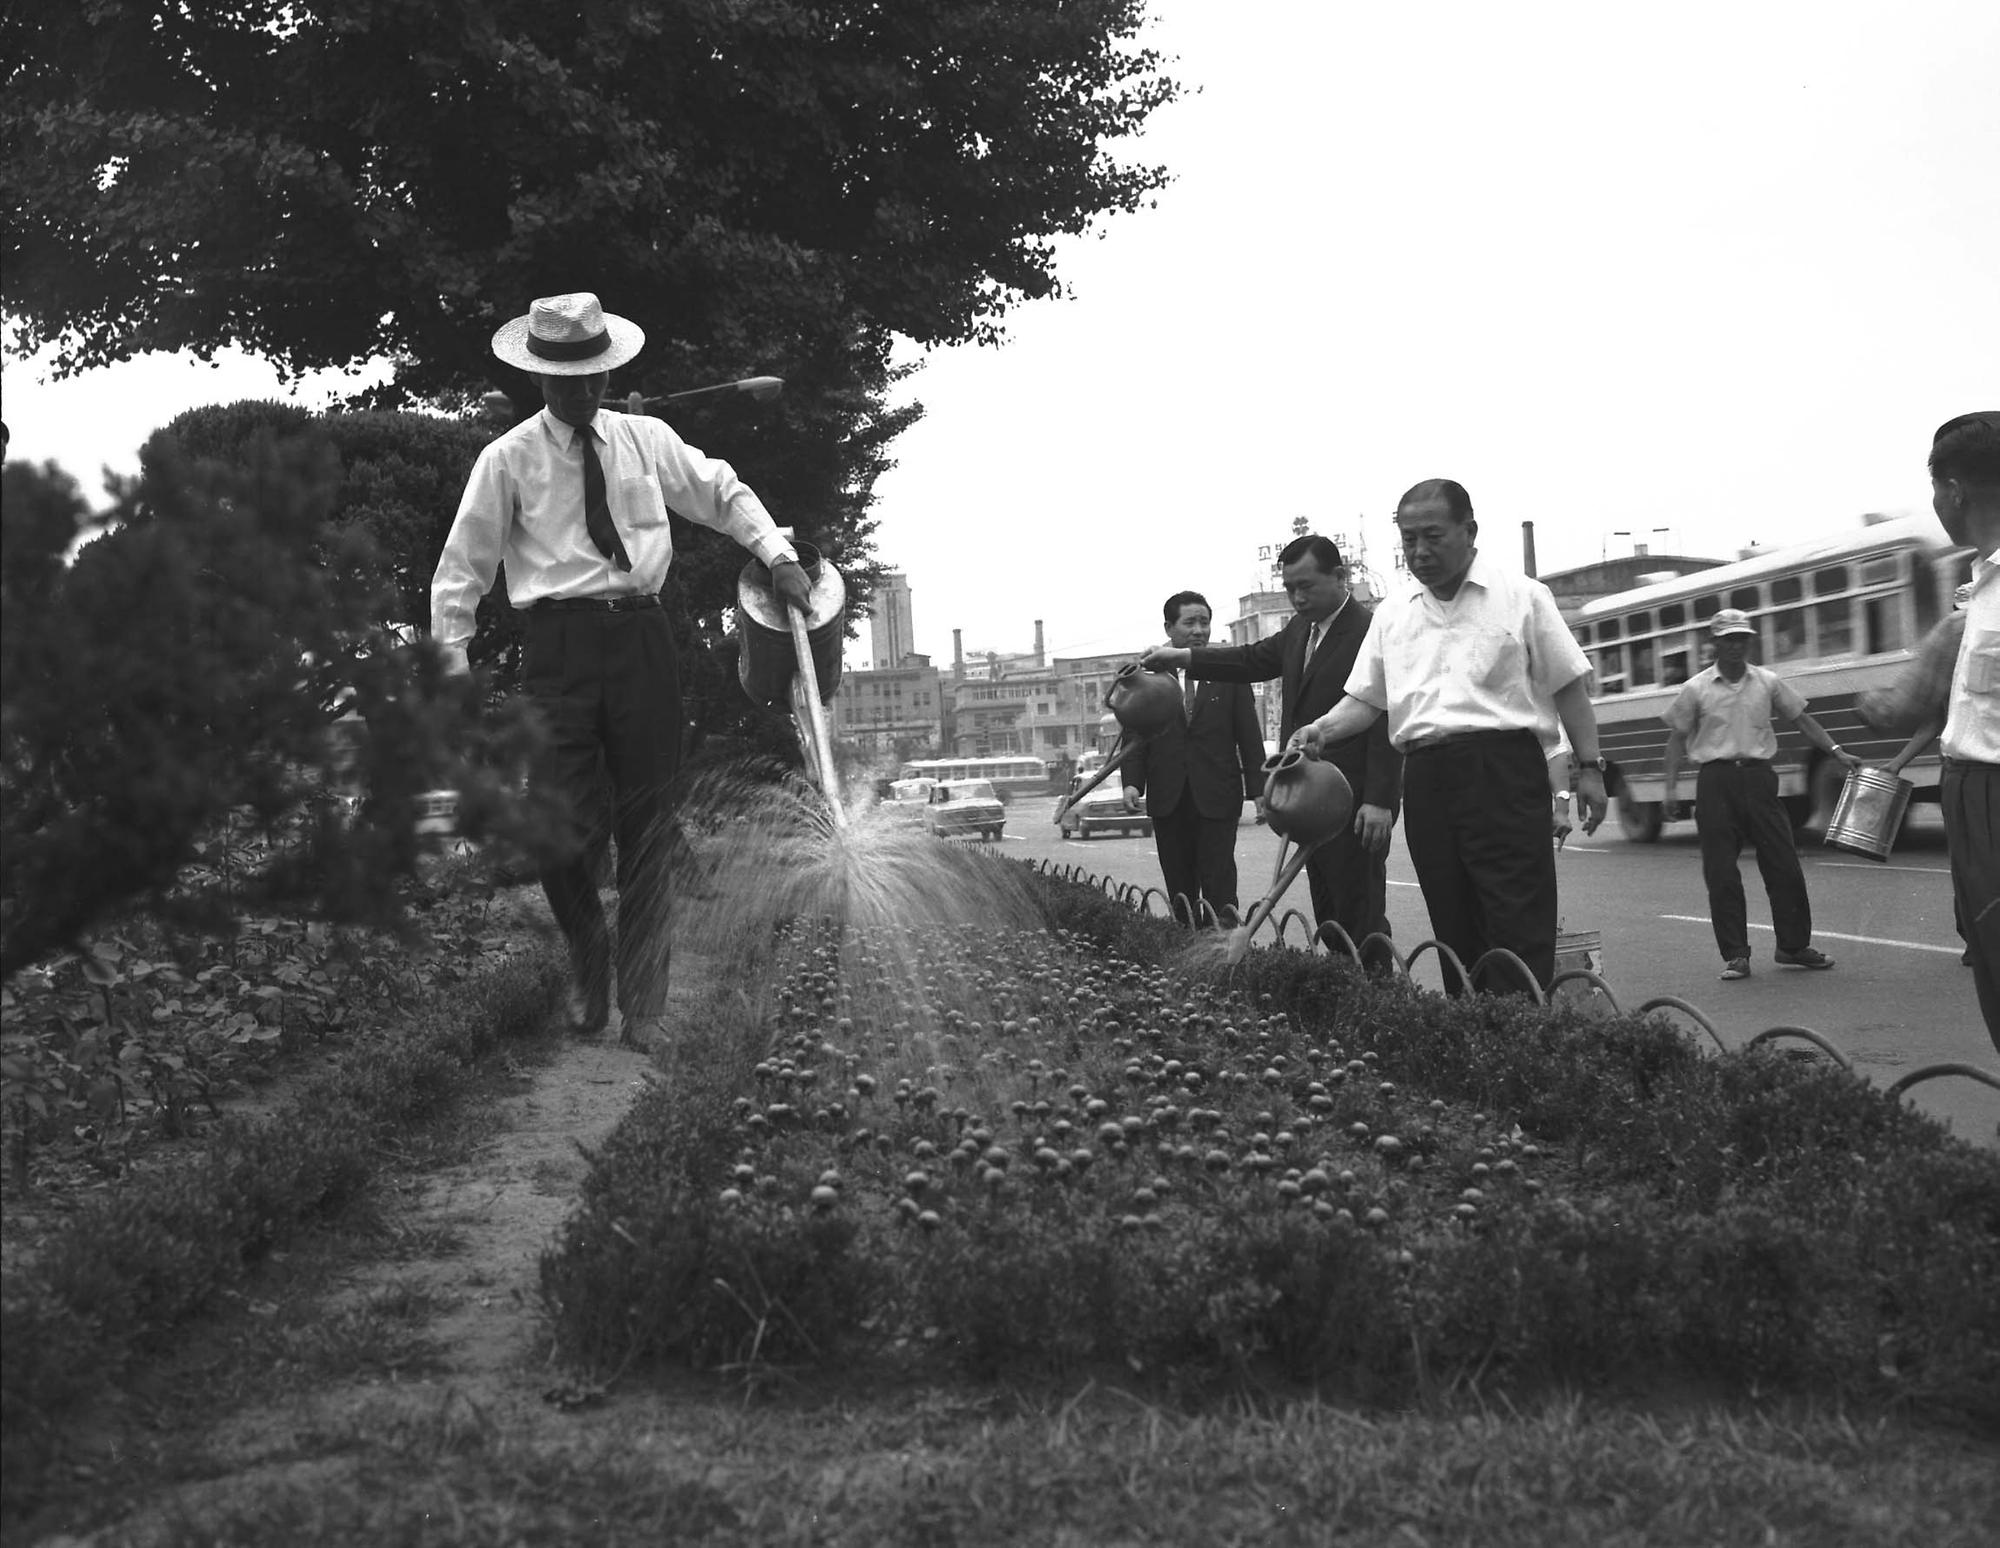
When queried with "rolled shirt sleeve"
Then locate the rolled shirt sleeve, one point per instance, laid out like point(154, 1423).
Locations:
point(472, 550)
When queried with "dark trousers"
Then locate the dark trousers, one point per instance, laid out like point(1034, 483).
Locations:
point(1350, 886)
point(1971, 799)
point(608, 686)
point(1197, 857)
point(1735, 803)
point(1476, 817)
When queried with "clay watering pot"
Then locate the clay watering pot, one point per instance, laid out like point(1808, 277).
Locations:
point(1306, 799)
point(1306, 802)
point(768, 659)
point(1144, 704)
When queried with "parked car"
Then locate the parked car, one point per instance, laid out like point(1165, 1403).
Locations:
point(965, 806)
point(907, 799)
point(1102, 810)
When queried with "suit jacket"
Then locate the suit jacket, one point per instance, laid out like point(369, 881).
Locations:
point(1216, 756)
point(1372, 766)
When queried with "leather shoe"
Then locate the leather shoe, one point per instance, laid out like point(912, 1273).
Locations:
point(586, 1015)
point(1805, 957)
point(1735, 967)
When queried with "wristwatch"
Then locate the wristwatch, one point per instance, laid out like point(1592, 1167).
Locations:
point(1600, 764)
point(1563, 796)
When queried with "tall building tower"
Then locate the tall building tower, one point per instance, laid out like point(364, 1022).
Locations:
point(890, 634)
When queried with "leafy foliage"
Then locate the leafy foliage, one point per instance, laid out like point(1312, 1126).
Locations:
point(328, 184)
point(190, 664)
point(132, 1264)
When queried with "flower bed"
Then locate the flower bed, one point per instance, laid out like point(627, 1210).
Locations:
point(1038, 1153)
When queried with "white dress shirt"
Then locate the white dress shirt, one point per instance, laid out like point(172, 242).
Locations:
point(1490, 659)
point(524, 504)
point(1972, 726)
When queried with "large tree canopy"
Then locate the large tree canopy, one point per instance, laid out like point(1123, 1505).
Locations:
point(325, 181)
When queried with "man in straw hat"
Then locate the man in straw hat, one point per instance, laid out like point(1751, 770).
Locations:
point(1722, 718)
point(575, 501)
point(1965, 493)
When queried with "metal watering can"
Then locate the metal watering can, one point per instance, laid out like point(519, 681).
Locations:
point(1306, 802)
point(1144, 704)
point(786, 656)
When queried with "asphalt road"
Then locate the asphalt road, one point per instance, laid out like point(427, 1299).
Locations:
point(1897, 998)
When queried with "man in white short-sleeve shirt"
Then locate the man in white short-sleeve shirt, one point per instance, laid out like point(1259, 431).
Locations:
point(1722, 718)
point(1475, 670)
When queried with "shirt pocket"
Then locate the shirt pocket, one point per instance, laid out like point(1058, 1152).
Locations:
point(1489, 658)
point(641, 503)
point(1982, 662)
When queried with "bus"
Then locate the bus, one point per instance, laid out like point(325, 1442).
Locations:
point(1835, 616)
point(1011, 776)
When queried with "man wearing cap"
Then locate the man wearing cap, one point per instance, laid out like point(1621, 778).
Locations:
point(1473, 669)
point(1312, 656)
point(1722, 719)
point(1965, 493)
point(575, 500)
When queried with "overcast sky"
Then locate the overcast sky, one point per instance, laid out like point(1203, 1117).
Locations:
point(1717, 269)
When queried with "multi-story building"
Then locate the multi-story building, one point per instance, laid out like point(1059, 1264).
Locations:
point(891, 629)
point(891, 713)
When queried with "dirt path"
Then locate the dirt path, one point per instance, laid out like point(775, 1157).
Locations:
point(463, 1289)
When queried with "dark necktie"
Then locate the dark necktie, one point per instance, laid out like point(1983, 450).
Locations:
point(1188, 687)
point(596, 509)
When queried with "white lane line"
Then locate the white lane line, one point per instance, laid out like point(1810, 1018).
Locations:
point(1834, 935)
point(1405, 884)
point(1873, 865)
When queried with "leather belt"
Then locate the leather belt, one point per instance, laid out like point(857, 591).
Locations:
point(630, 604)
point(1966, 763)
point(1445, 739)
point(1738, 763)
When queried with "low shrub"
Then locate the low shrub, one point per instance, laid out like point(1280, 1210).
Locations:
point(1058, 1155)
point(132, 1264)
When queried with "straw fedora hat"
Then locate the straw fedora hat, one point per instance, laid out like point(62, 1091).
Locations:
point(568, 336)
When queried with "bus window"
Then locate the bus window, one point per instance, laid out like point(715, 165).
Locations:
point(1788, 634)
point(1885, 623)
point(1639, 623)
point(1830, 582)
point(1608, 629)
point(1642, 664)
point(1836, 628)
point(1786, 588)
point(1706, 608)
point(1582, 633)
point(1673, 616)
point(1748, 598)
point(1611, 670)
point(1673, 667)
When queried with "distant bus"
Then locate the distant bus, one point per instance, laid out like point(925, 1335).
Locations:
point(1834, 616)
point(1011, 776)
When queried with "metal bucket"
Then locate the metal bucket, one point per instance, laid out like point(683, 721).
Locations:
point(768, 659)
point(1580, 949)
point(1869, 814)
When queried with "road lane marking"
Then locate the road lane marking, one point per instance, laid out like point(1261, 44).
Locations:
point(1835, 935)
point(1877, 865)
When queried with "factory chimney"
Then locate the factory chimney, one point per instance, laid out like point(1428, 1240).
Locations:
point(958, 655)
point(1528, 548)
point(1040, 661)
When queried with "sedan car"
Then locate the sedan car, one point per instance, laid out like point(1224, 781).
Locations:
point(960, 806)
point(1101, 811)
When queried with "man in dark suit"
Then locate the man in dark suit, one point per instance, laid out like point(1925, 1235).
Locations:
point(1194, 775)
point(1312, 656)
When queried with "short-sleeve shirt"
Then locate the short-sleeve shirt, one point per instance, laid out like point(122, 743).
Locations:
point(1972, 727)
point(1721, 719)
point(1491, 659)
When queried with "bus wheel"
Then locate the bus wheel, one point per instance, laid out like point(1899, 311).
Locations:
point(1639, 821)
